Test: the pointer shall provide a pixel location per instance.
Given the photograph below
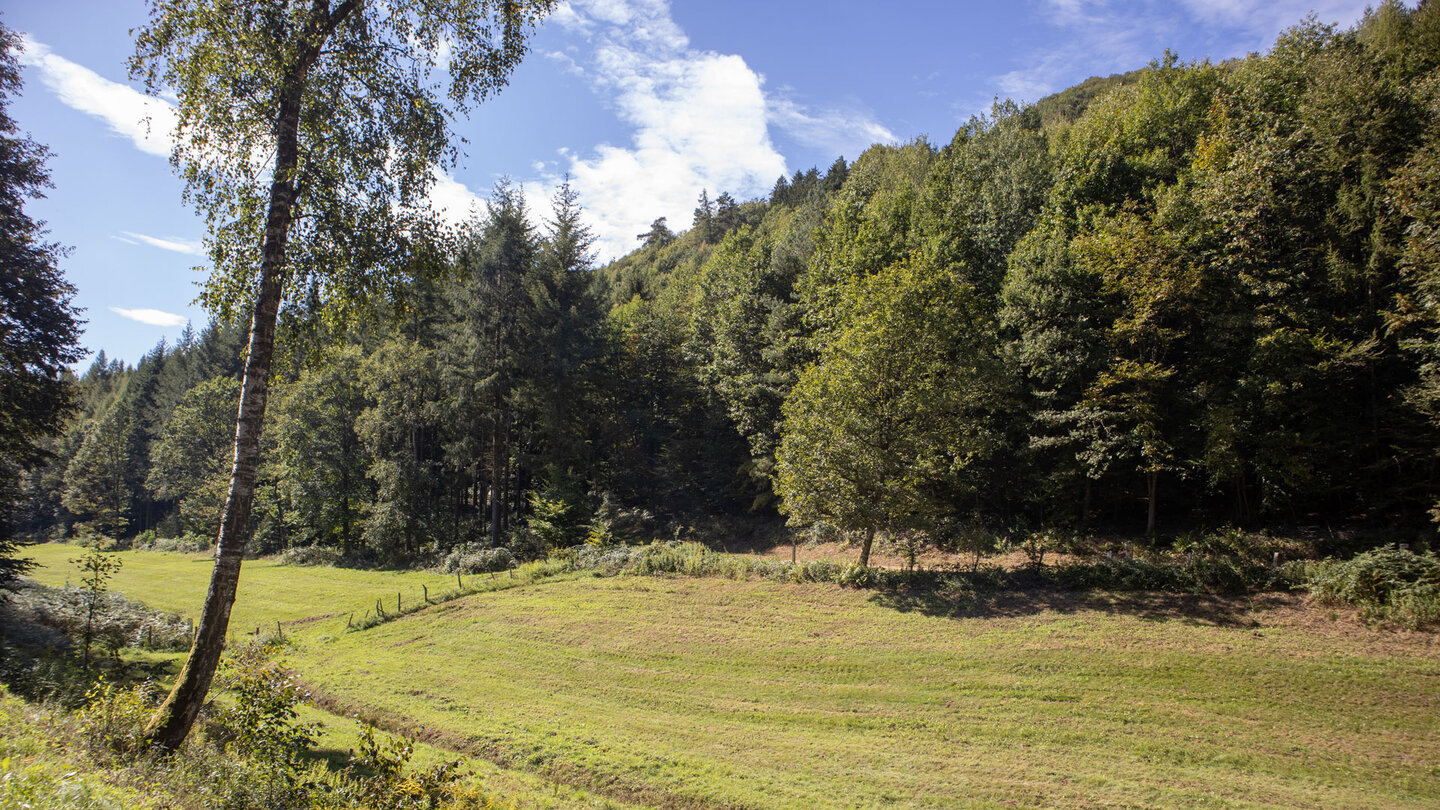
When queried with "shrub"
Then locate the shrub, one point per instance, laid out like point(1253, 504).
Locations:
point(35, 788)
point(262, 720)
point(310, 555)
point(117, 622)
point(615, 524)
point(380, 777)
point(856, 575)
point(820, 571)
point(1387, 585)
point(187, 543)
point(473, 558)
point(114, 716)
point(552, 519)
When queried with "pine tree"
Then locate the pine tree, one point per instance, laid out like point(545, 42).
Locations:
point(38, 324)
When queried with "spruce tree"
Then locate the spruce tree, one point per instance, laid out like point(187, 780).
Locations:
point(38, 324)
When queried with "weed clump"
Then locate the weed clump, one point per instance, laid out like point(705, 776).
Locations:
point(1388, 585)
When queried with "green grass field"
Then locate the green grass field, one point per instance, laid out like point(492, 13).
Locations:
point(683, 692)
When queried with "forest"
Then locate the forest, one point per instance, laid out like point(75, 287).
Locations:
point(1192, 295)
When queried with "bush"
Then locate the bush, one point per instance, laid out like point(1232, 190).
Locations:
point(390, 783)
point(614, 524)
point(310, 555)
point(819, 571)
point(856, 575)
point(1387, 585)
point(473, 558)
point(118, 622)
point(262, 721)
point(114, 716)
point(187, 543)
point(35, 788)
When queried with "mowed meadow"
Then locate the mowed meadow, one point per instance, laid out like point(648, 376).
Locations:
point(706, 692)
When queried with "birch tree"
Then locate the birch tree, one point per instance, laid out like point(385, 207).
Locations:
point(308, 133)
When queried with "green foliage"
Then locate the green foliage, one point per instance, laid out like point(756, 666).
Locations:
point(386, 780)
point(115, 621)
point(403, 385)
point(102, 478)
point(1388, 586)
point(1190, 293)
point(114, 716)
point(885, 428)
point(39, 330)
point(364, 83)
point(472, 558)
point(262, 721)
point(553, 519)
point(96, 569)
point(321, 463)
point(190, 461)
point(34, 788)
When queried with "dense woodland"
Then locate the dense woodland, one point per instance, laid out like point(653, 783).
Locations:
point(1195, 294)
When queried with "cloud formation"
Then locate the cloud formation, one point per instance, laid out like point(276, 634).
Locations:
point(700, 121)
point(153, 317)
point(174, 244)
point(698, 118)
point(148, 122)
point(1264, 19)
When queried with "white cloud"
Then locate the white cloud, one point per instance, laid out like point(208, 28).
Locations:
point(153, 317)
point(840, 131)
point(1266, 18)
point(171, 243)
point(453, 201)
point(700, 122)
point(148, 122)
point(698, 118)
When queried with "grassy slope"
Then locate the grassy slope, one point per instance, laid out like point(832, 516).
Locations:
point(176, 583)
point(709, 692)
point(296, 595)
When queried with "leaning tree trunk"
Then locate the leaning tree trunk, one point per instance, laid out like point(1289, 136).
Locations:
point(865, 547)
point(173, 720)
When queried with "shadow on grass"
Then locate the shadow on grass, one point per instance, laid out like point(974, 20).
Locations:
point(1192, 609)
point(334, 758)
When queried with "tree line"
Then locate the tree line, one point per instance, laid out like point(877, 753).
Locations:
point(1195, 293)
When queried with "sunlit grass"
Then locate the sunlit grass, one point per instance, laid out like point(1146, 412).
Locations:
point(764, 694)
point(711, 692)
point(322, 598)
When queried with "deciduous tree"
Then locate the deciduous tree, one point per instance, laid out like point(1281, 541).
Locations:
point(309, 133)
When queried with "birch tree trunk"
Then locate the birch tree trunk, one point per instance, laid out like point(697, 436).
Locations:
point(176, 715)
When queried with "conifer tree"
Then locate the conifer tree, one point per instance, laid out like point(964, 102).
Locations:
point(38, 324)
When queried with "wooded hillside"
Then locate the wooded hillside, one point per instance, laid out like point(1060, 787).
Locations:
point(1192, 295)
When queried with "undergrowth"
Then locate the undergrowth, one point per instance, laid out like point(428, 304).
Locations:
point(1209, 571)
point(250, 751)
point(1389, 586)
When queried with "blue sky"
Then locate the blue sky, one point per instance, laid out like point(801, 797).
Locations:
point(643, 102)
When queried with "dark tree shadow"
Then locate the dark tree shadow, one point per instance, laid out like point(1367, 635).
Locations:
point(1192, 609)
